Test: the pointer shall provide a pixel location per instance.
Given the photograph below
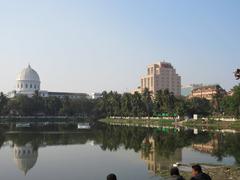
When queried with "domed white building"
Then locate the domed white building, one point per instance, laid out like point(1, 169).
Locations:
point(27, 82)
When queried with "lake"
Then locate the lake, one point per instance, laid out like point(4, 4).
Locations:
point(61, 151)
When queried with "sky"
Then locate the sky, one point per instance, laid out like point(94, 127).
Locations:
point(95, 45)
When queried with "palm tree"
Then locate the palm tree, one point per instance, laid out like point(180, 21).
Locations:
point(216, 102)
point(137, 105)
point(158, 102)
point(147, 99)
point(171, 104)
point(126, 104)
point(3, 102)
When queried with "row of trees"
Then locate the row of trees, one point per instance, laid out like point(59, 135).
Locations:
point(51, 106)
point(164, 103)
point(229, 105)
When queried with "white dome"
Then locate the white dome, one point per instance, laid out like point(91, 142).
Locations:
point(28, 82)
point(28, 74)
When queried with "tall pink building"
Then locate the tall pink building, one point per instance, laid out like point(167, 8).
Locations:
point(161, 76)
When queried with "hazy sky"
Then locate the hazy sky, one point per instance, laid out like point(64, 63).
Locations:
point(95, 45)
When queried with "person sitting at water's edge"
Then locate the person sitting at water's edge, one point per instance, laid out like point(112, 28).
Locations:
point(198, 174)
point(111, 177)
point(175, 175)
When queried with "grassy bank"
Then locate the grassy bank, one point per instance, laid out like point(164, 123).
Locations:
point(139, 122)
point(212, 124)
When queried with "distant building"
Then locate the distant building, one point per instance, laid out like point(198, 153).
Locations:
point(28, 83)
point(138, 90)
point(161, 76)
point(61, 95)
point(208, 92)
point(230, 93)
point(96, 95)
point(187, 90)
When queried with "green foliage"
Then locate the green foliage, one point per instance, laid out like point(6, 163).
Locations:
point(123, 105)
point(49, 106)
point(231, 104)
point(3, 103)
point(198, 106)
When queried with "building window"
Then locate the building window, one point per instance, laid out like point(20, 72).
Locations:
point(21, 86)
point(26, 85)
point(31, 86)
point(35, 86)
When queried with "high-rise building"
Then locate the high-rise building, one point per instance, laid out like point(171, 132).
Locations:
point(161, 76)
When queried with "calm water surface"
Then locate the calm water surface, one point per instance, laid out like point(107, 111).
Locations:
point(59, 152)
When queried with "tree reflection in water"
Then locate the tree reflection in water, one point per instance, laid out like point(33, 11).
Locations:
point(159, 148)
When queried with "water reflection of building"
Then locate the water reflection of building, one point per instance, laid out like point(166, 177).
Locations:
point(208, 147)
point(25, 157)
point(157, 163)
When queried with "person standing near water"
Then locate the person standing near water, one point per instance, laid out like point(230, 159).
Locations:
point(198, 174)
point(111, 177)
point(175, 175)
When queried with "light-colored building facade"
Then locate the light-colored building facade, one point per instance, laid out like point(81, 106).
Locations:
point(161, 76)
point(28, 83)
point(208, 92)
point(96, 95)
point(187, 89)
point(230, 93)
point(137, 90)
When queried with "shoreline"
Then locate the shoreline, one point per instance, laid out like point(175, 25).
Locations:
point(211, 124)
point(217, 173)
point(138, 122)
point(35, 119)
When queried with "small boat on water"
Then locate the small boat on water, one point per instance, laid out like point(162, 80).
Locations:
point(84, 126)
point(23, 125)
